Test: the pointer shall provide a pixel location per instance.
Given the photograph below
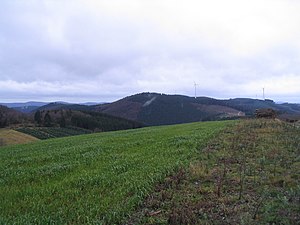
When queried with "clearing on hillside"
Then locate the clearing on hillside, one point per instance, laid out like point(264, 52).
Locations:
point(96, 178)
point(11, 137)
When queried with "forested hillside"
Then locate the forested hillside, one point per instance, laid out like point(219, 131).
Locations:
point(10, 117)
point(93, 121)
point(157, 109)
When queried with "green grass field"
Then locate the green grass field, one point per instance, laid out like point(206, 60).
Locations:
point(249, 174)
point(97, 178)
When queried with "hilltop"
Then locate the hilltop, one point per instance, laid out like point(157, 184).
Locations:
point(160, 109)
point(25, 107)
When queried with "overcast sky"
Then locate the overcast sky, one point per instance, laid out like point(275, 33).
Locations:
point(104, 50)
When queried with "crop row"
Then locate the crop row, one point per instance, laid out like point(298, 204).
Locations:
point(52, 132)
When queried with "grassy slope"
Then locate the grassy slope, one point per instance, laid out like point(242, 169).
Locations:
point(11, 137)
point(93, 178)
point(248, 175)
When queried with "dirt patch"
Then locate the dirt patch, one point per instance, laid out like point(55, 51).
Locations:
point(218, 109)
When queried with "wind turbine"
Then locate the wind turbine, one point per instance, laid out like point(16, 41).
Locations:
point(195, 84)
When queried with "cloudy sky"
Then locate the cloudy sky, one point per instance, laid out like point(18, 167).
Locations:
point(104, 50)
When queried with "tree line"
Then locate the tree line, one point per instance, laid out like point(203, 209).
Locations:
point(94, 121)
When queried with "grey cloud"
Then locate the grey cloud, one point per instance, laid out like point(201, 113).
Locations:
point(68, 51)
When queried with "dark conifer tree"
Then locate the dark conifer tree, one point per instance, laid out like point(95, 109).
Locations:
point(38, 117)
point(47, 120)
point(62, 122)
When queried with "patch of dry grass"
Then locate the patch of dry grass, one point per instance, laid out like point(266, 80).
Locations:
point(12, 137)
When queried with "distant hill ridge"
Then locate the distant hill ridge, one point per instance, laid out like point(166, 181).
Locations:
point(10, 116)
point(70, 118)
point(32, 106)
point(159, 109)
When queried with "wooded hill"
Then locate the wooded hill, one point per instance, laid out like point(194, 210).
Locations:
point(10, 116)
point(159, 109)
point(93, 121)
